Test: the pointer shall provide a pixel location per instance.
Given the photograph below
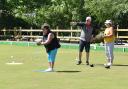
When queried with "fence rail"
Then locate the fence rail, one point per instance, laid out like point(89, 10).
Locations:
point(70, 35)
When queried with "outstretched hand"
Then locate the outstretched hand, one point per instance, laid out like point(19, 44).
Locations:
point(39, 43)
point(73, 23)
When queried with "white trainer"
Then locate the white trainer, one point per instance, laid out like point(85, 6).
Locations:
point(109, 64)
point(49, 70)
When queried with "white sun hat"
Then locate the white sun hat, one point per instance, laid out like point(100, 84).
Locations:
point(108, 22)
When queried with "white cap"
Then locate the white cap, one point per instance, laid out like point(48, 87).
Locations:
point(88, 18)
point(108, 22)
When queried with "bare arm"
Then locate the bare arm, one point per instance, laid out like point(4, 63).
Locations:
point(77, 23)
point(50, 37)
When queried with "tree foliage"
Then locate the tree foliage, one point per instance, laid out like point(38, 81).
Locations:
point(61, 12)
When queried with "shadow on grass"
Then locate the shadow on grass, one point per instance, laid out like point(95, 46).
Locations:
point(68, 71)
point(114, 64)
point(120, 65)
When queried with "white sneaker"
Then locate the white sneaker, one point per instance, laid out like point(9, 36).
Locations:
point(109, 64)
point(49, 70)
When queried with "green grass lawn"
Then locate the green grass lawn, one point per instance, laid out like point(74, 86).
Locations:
point(68, 75)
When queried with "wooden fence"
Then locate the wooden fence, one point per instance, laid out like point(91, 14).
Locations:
point(69, 35)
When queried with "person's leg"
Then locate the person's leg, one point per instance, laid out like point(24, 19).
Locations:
point(81, 47)
point(80, 55)
point(106, 51)
point(51, 59)
point(51, 65)
point(112, 56)
point(110, 49)
point(87, 58)
point(49, 62)
point(53, 56)
point(109, 53)
point(87, 49)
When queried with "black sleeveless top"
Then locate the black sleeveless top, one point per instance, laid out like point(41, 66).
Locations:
point(53, 44)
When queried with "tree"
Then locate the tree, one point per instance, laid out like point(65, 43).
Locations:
point(62, 12)
point(115, 10)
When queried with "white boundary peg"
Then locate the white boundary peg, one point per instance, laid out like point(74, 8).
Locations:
point(14, 63)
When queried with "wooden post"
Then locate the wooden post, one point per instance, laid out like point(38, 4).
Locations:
point(15, 32)
point(20, 33)
point(57, 33)
point(31, 34)
point(71, 32)
point(31, 31)
point(78, 34)
point(4, 30)
point(117, 35)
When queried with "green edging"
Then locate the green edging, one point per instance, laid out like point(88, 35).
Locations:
point(66, 46)
point(17, 43)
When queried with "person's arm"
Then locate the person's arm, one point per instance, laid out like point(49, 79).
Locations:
point(111, 33)
point(50, 37)
point(96, 27)
point(93, 35)
point(77, 23)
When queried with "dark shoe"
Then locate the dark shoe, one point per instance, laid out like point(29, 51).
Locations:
point(87, 63)
point(91, 65)
point(78, 62)
point(107, 67)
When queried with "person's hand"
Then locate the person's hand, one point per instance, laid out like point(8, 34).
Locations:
point(104, 36)
point(73, 23)
point(92, 40)
point(39, 43)
point(42, 43)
